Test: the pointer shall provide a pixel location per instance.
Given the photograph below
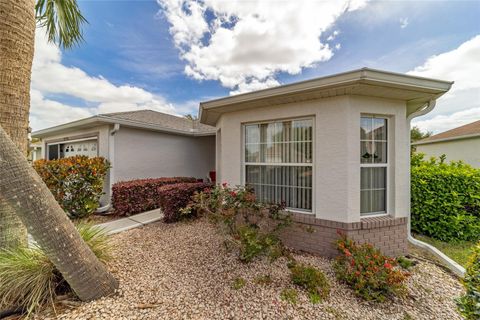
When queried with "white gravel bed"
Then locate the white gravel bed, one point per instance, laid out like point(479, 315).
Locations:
point(182, 271)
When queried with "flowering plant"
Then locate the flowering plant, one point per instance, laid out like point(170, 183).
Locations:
point(372, 275)
point(249, 225)
point(75, 182)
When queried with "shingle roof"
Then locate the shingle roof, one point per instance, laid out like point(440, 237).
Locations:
point(460, 132)
point(160, 119)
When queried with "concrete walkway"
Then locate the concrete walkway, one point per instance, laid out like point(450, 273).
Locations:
point(131, 222)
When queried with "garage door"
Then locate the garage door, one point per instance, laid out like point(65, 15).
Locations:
point(81, 148)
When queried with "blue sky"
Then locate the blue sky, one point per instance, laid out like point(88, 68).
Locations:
point(171, 54)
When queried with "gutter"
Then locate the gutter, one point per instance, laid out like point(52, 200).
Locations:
point(111, 155)
point(449, 263)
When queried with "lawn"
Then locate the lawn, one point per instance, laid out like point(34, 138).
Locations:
point(458, 251)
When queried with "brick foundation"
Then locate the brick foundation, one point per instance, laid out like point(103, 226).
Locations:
point(318, 236)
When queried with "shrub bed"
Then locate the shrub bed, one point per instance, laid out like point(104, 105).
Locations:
point(250, 227)
point(372, 275)
point(135, 196)
point(175, 197)
point(445, 199)
point(75, 182)
point(469, 303)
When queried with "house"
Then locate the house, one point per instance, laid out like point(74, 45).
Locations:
point(335, 149)
point(138, 144)
point(462, 143)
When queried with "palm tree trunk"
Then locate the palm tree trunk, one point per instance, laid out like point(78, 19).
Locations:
point(25, 191)
point(17, 32)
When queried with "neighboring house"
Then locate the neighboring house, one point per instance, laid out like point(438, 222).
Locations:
point(335, 149)
point(138, 144)
point(462, 143)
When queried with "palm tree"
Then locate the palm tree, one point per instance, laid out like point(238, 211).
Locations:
point(24, 198)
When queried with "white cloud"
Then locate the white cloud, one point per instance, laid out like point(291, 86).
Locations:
point(442, 123)
point(403, 23)
point(244, 44)
point(462, 102)
point(333, 35)
point(51, 77)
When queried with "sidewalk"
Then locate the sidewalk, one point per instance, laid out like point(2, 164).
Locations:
point(131, 222)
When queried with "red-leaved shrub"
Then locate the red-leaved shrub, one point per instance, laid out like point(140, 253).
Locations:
point(130, 197)
point(372, 275)
point(174, 197)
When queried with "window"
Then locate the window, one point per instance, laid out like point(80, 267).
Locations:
point(278, 162)
point(373, 163)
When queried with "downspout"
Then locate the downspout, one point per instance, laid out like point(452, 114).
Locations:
point(111, 156)
point(451, 264)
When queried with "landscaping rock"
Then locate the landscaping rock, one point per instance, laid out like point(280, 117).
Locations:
point(182, 271)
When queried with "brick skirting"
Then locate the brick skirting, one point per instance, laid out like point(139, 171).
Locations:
point(318, 236)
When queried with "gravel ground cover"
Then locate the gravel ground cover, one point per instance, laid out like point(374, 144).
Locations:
point(181, 271)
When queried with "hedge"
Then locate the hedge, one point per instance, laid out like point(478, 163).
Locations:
point(135, 196)
point(174, 197)
point(445, 199)
point(75, 182)
point(469, 303)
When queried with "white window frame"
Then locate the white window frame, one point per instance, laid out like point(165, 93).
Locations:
point(312, 164)
point(378, 165)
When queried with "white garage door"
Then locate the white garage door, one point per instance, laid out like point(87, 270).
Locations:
point(81, 148)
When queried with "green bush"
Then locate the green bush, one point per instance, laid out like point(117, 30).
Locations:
point(75, 182)
point(469, 303)
point(311, 279)
point(445, 199)
point(289, 295)
point(29, 280)
point(372, 275)
point(249, 227)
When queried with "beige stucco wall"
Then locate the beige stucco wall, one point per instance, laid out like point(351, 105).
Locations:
point(467, 150)
point(149, 154)
point(337, 151)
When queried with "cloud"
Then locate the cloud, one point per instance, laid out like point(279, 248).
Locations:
point(463, 100)
point(244, 44)
point(51, 77)
point(442, 123)
point(403, 23)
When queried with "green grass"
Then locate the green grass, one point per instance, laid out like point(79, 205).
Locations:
point(458, 251)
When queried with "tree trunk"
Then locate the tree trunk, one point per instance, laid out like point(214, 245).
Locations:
point(17, 34)
point(24, 190)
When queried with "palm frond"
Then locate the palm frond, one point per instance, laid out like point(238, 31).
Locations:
point(62, 20)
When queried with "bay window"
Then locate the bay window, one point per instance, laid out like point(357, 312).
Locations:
point(373, 165)
point(279, 162)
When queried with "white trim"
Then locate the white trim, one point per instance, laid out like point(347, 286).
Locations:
point(386, 165)
point(417, 91)
point(72, 141)
point(281, 164)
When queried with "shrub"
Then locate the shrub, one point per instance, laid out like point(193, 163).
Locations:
point(289, 295)
point(311, 279)
point(174, 197)
point(405, 263)
point(445, 199)
point(372, 275)
point(29, 280)
point(469, 303)
point(75, 182)
point(249, 227)
point(130, 197)
point(238, 283)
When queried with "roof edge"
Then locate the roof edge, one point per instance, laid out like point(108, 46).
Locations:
point(466, 136)
point(107, 120)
